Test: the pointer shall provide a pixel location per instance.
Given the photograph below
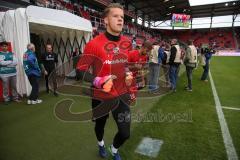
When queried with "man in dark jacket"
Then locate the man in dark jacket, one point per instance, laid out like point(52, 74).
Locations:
point(174, 62)
point(50, 60)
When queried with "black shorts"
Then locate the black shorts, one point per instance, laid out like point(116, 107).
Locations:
point(102, 108)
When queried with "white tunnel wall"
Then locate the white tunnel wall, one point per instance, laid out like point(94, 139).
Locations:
point(15, 30)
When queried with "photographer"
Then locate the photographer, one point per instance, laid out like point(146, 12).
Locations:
point(206, 54)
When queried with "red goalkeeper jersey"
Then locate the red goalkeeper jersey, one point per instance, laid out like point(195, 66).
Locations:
point(107, 57)
point(134, 56)
point(136, 65)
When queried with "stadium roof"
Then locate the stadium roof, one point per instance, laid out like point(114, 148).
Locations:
point(161, 10)
point(204, 13)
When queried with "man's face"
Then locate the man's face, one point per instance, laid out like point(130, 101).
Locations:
point(173, 41)
point(163, 43)
point(4, 48)
point(49, 48)
point(114, 20)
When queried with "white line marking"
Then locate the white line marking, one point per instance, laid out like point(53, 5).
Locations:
point(227, 139)
point(231, 108)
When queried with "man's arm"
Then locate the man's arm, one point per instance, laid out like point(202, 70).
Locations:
point(41, 62)
point(31, 60)
point(5, 63)
point(14, 62)
point(160, 55)
point(84, 63)
point(84, 75)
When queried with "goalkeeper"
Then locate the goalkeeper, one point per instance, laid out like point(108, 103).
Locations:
point(106, 54)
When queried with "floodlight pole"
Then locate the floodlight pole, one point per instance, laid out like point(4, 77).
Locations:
point(191, 22)
point(233, 31)
point(233, 19)
point(126, 4)
point(143, 19)
point(211, 23)
point(136, 16)
point(212, 13)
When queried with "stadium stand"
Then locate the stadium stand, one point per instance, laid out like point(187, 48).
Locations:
point(95, 17)
point(220, 38)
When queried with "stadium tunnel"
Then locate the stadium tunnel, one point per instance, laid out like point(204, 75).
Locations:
point(43, 26)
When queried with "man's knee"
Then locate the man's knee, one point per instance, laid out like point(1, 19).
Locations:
point(125, 135)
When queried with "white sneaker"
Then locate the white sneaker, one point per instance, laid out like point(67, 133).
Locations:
point(34, 102)
point(39, 101)
point(29, 101)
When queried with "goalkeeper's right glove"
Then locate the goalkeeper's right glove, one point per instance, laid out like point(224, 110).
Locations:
point(105, 83)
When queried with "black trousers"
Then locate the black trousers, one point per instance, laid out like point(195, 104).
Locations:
point(34, 81)
point(121, 114)
point(52, 78)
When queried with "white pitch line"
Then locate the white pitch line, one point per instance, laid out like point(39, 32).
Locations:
point(231, 108)
point(227, 139)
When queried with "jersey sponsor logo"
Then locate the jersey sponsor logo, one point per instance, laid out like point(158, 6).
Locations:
point(115, 61)
point(49, 59)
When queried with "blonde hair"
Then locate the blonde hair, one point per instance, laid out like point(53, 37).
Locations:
point(30, 46)
point(111, 5)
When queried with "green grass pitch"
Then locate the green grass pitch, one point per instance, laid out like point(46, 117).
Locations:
point(34, 133)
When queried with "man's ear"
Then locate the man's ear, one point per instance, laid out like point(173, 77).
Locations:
point(106, 21)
